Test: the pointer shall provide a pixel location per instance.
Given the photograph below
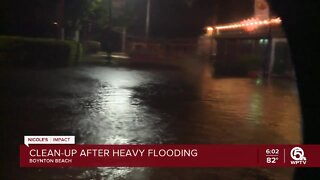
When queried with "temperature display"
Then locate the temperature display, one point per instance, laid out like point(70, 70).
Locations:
point(272, 160)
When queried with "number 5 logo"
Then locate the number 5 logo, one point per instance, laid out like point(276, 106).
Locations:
point(297, 154)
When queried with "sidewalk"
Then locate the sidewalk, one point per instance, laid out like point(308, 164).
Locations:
point(122, 59)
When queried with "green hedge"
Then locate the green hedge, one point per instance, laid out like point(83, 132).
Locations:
point(91, 47)
point(34, 51)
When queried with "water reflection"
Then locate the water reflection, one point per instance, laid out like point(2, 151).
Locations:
point(116, 116)
point(255, 108)
point(129, 108)
point(114, 173)
point(105, 105)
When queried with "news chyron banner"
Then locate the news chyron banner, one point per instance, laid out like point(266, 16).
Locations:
point(61, 151)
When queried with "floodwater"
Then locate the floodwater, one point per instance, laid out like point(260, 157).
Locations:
point(114, 104)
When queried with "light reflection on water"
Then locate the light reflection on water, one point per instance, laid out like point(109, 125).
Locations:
point(114, 173)
point(142, 110)
point(255, 108)
point(103, 105)
point(119, 117)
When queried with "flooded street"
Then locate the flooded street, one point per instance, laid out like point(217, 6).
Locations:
point(103, 104)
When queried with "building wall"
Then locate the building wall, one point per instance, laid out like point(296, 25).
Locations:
point(162, 49)
point(280, 60)
point(206, 47)
point(273, 55)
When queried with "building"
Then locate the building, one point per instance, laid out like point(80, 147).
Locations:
point(160, 49)
point(257, 45)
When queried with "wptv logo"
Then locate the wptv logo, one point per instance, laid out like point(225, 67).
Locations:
point(297, 154)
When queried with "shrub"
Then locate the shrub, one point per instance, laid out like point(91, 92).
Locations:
point(34, 51)
point(91, 47)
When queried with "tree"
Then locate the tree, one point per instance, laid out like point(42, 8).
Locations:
point(99, 14)
point(79, 12)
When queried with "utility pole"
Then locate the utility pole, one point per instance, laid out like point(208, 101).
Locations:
point(148, 19)
point(123, 40)
point(110, 12)
point(60, 22)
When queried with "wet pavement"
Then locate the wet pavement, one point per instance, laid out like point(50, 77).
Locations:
point(103, 103)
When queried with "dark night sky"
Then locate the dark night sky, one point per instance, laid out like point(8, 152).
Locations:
point(173, 18)
point(26, 17)
point(169, 18)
